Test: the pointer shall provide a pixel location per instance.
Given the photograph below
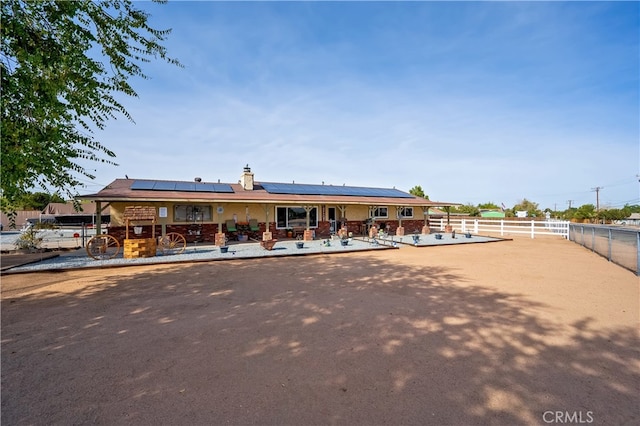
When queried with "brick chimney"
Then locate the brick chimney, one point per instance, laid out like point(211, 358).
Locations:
point(246, 180)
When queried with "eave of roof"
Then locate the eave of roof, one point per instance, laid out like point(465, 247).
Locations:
point(120, 190)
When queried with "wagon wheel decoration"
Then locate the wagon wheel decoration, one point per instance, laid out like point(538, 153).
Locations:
point(173, 243)
point(102, 247)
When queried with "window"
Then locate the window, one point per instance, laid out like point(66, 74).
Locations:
point(381, 212)
point(295, 217)
point(405, 212)
point(191, 213)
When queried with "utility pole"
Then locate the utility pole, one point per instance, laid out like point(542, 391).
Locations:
point(597, 190)
point(569, 201)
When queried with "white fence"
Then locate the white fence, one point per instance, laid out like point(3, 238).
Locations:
point(504, 227)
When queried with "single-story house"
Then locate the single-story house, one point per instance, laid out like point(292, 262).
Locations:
point(633, 220)
point(200, 210)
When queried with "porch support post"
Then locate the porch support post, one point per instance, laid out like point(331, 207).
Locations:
point(399, 216)
point(373, 229)
point(265, 207)
point(308, 209)
point(220, 239)
point(448, 227)
point(266, 235)
point(343, 211)
point(308, 234)
point(425, 228)
point(400, 230)
point(99, 217)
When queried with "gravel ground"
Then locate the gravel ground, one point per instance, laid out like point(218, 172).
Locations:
point(198, 253)
point(512, 333)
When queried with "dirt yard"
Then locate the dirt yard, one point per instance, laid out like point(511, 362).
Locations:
point(516, 332)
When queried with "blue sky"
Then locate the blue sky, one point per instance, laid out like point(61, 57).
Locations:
point(476, 102)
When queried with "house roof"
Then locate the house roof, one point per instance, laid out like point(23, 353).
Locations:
point(68, 209)
point(121, 190)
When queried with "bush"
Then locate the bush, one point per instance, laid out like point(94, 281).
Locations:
point(29, 240)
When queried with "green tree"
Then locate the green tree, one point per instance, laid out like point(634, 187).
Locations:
point(418, 192)
point(468, 209)
point(489, 206)
point(586, 211)
point(609, 215)
point(529, 206)
point(63, 64)
point(635, 208)
point(37, 200)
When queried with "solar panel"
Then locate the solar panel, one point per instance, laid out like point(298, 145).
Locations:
point(205, 187)
point(305, 189)
point(185, 186)
point(222, 187)
point(142, 184)
point(165, 185)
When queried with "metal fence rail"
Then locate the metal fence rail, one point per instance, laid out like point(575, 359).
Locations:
point(67, 236)
point(619, 245)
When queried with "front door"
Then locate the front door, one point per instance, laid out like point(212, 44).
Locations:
point(331, 213)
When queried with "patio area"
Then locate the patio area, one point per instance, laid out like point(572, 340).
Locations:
point(78, 258)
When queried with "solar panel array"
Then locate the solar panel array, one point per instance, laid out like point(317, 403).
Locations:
point(168, 185)
point(305, 189)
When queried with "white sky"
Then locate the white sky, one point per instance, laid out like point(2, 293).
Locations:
point(475, 102)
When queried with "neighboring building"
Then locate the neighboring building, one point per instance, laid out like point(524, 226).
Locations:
point(56, 213)
point(633, 220)
point(21, 218)
point(66, 213)
point(199, 209)
point(492, 213)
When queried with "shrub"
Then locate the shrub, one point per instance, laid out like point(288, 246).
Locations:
point(29, 240)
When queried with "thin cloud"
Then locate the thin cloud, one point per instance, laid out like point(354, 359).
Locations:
point(474, 102)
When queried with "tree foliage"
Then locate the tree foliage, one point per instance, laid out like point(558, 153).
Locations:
point(489, 206)
point(467, 209)
point(37, 200)
point(528, 206)
point(418, 192)
point(63, 64)
point(586, 211)
point(609, 215)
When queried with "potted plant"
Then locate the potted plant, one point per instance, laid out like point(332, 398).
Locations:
point(345, 238)
point(289, 233)
point(224, 248)
point(268, 244)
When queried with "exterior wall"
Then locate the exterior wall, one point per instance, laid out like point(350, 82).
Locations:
point(357, 216)
point(242, 212)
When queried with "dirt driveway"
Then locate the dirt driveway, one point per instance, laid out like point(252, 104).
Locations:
point(517, 332)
